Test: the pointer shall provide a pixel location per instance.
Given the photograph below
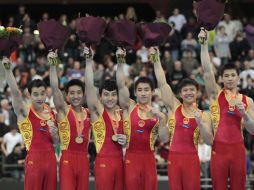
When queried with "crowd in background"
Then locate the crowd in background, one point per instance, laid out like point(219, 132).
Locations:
point(232, 41)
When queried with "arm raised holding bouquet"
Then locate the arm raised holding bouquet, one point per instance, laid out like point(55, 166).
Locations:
point(230, 113)
point(185, 122)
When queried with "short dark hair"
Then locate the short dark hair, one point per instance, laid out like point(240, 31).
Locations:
point(228, 66)
point(74, 82)
point(144, 80)
point(36, 83)
point(187, 82)
point(109, 85)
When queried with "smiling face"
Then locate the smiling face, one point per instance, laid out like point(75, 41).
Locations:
point(109, 98)
point(230, 79)
point(75, 96)
point(38, 97)
point(143, 93)
point(189, 94)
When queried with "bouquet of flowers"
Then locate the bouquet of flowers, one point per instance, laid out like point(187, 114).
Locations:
point(7, 32)
point(10, 39)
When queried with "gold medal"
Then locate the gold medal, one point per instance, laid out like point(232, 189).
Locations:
point(231, 108)
point(114, 138)
point(79, 140)
point(43, 123)
point(185, 120)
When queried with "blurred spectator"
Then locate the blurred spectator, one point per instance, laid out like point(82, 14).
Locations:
point(143, 54)
point(189, 44)
point(72, 47)
point(173, 42)
point(76, 72)
point(17, 157)
point(221, 45)
point(204, 153)
point(34, 75)
point(62, 77)
point(10, 139)
point(177, 75)
point(63, 19)
point(110, 72)
point(248, 72)
point(189, 62)
point(5, 111)
point(239, 47)
point(159, 17)
point(249, 30)
point(49, 98)
point(197, 74)
point(249, 90)
point(211, 36)
point(10, 22)
point(45, 17)
point(131, 14)
point(251, 57)
point(98, 74)
point(18, 19)
point(28, 22)
point(190, 27)
point(167, 62)
point(231, 27)
point(137, 66)
point(178, 19)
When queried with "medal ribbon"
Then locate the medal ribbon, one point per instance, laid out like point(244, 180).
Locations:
point(79, 124)
point(232, 96)
point(45, 107)
point(115, 122)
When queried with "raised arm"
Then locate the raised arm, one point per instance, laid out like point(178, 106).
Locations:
point(168, 97)
point(19, 107)
point(58, 97)
point(163, 130)
point(205, 126)
point(123, 91)
point(93, 102)
point(210, 83)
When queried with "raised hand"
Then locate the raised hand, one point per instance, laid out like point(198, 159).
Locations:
point(154, 54)
point(53, 58)
point(241, 107)
point(202, 36)
point(6, 63)
point(121, 139)
point(88, 53)
point(120, 55)
point(53, 130)
point(156, 112)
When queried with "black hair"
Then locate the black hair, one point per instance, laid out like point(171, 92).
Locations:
point(187, 82)
point(74, 82)
point(228, 66)
point(144, 80)
point(109, 85)
point(36, 84)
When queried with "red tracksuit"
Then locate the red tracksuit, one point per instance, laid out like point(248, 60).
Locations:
point(40, 164)
point(140, 164)
point(183, 161)
point(109, 160)
point(74, 163)
point(228, 152)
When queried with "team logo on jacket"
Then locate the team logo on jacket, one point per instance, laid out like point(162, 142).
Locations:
point(141, 123)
